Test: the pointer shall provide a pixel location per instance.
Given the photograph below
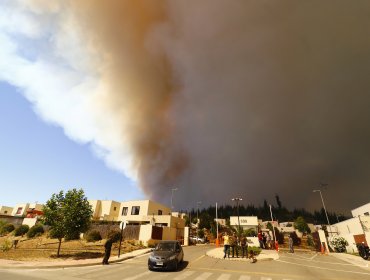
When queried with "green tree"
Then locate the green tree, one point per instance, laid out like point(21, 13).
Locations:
point(301, 225)
point(68, 215)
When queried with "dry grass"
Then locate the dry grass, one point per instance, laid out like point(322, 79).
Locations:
point(45, 249)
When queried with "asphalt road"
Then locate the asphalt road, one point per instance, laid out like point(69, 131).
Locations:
point(198, 266)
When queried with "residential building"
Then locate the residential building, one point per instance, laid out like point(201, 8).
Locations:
point(105, 210)
point(362, 210)
point(5, 210)
point(156, 220)
point(354, 230)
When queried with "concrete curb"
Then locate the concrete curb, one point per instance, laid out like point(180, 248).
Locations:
point(75, 263)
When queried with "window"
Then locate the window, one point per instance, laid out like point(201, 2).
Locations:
point(159, 212)
point(366, 213)
point(115, 208)
point(124, 211)
point(5, 212)
point(135, 210)
point(19, 210)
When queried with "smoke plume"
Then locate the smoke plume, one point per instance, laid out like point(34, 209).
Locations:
point(218, 98)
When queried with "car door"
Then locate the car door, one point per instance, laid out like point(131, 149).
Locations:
point(179, 252)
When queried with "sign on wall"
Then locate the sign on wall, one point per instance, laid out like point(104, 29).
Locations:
point(244, 220)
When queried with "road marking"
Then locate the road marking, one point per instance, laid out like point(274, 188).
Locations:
point(139, 275)
point(224, 276)
point(244, 277)
point(324, 268)
point(184, 275)
point(313, 256)
point(198, 259)
point(204, 276)
point(336, 263)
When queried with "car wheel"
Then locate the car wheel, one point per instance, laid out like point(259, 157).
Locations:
point(176, 266)
point(150, 268)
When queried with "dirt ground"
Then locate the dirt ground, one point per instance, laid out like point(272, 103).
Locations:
point(45, 249)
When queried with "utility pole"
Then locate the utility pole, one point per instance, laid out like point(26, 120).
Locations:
point(198, 203)
point(172, 190)
point(323, 204)
point(273, 228)
point(216, 225)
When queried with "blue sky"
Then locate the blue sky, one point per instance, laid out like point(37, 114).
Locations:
point(37, 159)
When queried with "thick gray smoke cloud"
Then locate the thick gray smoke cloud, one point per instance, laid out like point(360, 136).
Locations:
point(224, 98)
point(274, 99)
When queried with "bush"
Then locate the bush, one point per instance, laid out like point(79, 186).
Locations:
point(114, 235)
point(22, 230)
point(7, 228)
point(279, 236)
point(310, 241)
point(72, 236)
point(256, 250)
point(296, 239)
point(93, 236)
point(6, 245)
point(250, 232)
point(35, 231)
point(339, 243)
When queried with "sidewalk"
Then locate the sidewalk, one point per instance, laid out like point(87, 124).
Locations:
point(355, 260)
point(265, 255)
point(60, 263)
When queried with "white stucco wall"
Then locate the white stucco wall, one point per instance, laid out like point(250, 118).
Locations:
point(361, 210)
point(5, 210)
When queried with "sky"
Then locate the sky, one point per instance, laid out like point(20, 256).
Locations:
point(216, 98)
point(38, 159)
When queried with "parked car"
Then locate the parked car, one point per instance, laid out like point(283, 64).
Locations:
point(196, 240)
point(167, 255)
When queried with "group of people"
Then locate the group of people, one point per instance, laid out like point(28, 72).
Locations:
point(265, 240)
point(232, 243)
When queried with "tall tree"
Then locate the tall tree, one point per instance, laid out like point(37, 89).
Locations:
point(68, 215)
point(301, 225)
point(278, 201)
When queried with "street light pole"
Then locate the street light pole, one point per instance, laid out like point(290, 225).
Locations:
point(323, 204)
point(273, 228)
point(199, 202)
point(237, 199)
point(172, 190)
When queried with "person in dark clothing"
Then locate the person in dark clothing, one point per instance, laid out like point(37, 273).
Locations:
point(244, 246)
point(108, 249)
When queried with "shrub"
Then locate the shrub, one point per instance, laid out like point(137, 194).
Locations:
point(6, 245)
point(296, 239)
point(256, 250)
point(92, 236)
point(35, 231)
point(114, 235)
point(72, 236)
point(310, 241)
point(339, 243)
point(22, 230)
point(279, 236)
point(250, 232)
point(7, 228)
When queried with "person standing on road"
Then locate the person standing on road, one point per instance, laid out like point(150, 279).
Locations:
point(260, 240)
point(291, 249)
point(233, 242)
point(268, 241)
point(244, 246)
point(226, 245)
point(108, 249)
